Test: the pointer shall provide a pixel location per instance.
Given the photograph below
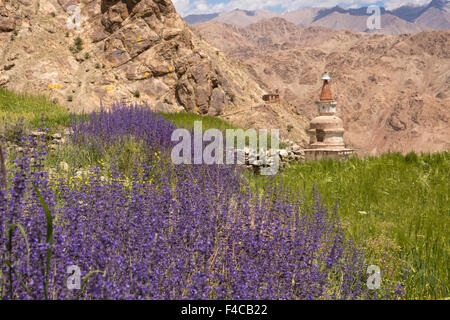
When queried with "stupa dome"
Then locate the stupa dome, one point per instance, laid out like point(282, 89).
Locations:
point(327, 121)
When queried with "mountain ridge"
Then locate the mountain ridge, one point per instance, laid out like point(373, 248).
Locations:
point(405, 19)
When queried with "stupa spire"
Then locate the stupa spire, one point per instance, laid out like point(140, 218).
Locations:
point(326, 94)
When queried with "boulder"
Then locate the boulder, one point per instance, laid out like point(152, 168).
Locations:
point(284, 154)
point(4, 80)
point(64, 166)
point(218, 102)
point(7, 21)
point(38, 133)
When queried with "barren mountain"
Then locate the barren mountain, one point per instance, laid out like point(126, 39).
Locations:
point(266, 35)
point(392, 91)
point(405, 19)
point(244, 18)
point(389, 24)
point(199, 18)
point(302, 17)
point(238, 17)
point(434, 15)
point(434, 18)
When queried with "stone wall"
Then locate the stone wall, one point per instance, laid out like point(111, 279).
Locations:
point(256, 160)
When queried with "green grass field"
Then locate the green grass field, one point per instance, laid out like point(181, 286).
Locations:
point(186, 120)
point(396, 207)
point(32, 109)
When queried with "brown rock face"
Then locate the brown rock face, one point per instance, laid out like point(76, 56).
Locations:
point(218, 102)
point(127, 46)
point(113, 15)
point(7, 20)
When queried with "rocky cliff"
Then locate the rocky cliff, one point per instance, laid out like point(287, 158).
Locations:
point(132, 50)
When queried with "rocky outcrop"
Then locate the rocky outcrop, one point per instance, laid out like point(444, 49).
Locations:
point(7, 20)
point(132, 50)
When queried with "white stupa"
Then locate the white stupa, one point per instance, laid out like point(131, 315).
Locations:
point(326, 132)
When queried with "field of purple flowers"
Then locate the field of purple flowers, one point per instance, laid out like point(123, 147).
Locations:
point(165, 232)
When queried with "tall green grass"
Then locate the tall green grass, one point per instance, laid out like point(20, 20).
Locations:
point(186, 120)
point(33, 109)
point(396, 206)
point(122, 156)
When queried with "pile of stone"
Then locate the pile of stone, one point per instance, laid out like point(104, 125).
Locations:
point(55, 140)
point(256, 160)
point(13, 143)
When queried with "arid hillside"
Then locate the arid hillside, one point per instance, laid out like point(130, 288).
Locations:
point(392, 91)
point(127, 50)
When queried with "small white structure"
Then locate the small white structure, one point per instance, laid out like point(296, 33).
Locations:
point(326, 132)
